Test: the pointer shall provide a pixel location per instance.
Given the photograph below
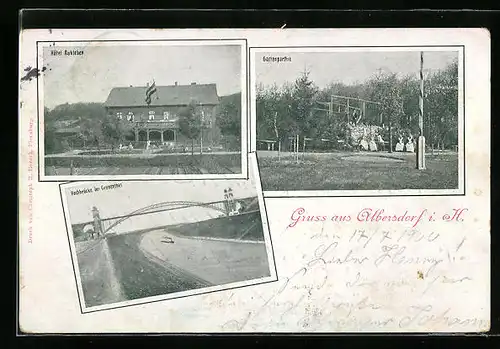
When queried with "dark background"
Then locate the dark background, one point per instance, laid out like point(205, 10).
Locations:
point(10, 25)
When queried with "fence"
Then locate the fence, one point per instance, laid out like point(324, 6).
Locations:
point(330, 145)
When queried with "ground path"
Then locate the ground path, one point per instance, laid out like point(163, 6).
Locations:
point(135, 155)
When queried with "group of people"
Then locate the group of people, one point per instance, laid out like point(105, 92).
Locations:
point(409, 146)
point(127, 147)
point(157, 144)
point(376, 143)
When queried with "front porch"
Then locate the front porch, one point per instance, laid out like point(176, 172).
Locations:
point(156, 135)
point(161, 132)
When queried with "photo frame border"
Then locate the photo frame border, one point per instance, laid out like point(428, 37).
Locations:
point(273, 277)
point(460, 191)
point(244, 142)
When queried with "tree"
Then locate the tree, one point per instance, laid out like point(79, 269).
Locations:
point(91, 132)
point(410, 90)
point(304, 93)
point(291, 107)
point(228, 117)
point(50, 142)
point(385, 89)
point(274, 112)
point(90, 118)
point(265, 106)
point(441, 106)
point(190, 123)
point(114, 130)
point(76, 110)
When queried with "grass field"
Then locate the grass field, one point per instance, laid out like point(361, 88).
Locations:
point(356, 171)
point(162, 164)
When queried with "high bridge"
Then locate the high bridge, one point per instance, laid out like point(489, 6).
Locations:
point(227, 207)
point(223, 243)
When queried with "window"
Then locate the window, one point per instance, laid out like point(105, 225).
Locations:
point(130, 116)
point(119, 115)
point(151, 115)
point(166, 115)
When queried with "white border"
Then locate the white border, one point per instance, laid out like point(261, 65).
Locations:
point(267, 241)
point(393, 48)
point(159, 42)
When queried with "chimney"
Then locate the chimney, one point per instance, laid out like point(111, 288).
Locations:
point(193, 83)
point(176, 83)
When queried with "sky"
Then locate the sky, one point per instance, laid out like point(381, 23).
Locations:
point(346, 67)
point(90, 77)
point(133, 195)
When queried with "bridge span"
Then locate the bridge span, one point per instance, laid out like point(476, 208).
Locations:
point(164, 214)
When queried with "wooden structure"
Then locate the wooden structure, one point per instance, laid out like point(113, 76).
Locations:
point(345, 107)
point(270, 143)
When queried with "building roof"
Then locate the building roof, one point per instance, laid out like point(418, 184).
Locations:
point(173, 95)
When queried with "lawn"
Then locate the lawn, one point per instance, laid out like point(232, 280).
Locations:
point(357, 171)
point(157, 164)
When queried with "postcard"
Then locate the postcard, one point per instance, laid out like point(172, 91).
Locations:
point(364, 206)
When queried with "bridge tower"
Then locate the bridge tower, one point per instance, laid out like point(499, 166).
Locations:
point(229, 203)
point(98, 228)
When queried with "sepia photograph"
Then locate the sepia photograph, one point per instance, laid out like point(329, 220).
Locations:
point(142, 109)
point(330, 121)
point(134, 242)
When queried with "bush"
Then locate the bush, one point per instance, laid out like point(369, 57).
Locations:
point(231, 143)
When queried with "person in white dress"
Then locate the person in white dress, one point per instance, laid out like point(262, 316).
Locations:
point(364, 144)
point(410, 147)
point(373, 145)
point(380, 142)
point(400, 145)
